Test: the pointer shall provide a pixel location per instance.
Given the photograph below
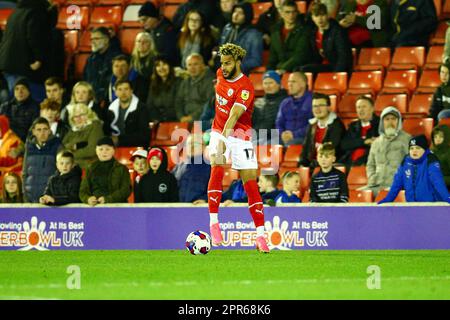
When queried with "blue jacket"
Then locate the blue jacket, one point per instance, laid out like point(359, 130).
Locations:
point(192, 180)
point(235, 192)
point(294, 114)
point(251, 40)
point(421, 179)
point(284, 198)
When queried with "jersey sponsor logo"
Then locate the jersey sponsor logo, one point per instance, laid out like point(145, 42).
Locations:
point(221, 100)
point(230, 92)
point(162, 188)
point(245, 94)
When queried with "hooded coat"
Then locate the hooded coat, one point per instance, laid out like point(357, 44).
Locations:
point(441, 98)
point(442, 152)
point(421, 179)
point(159, 186)
point(386, 154)
point(9, 141)
point(65, 188)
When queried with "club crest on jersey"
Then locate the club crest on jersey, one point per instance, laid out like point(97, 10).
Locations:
point(245, 94)
point(221, 100)
point(230, 92)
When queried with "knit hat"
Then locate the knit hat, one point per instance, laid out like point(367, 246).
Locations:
point(24, 82)
point(420, 141)
point(148, 9)
point(273, 75)
point(155, 152)
point(105, 141)
point(139, 153)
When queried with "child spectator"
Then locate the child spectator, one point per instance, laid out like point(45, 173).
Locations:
point(268, 188)
point(106, 180)
point(158, 185)
point(291, 185)
point(441, 148)
point(12, 188)
point(10, 148)
point(140, 164)
point(64, 186)
point(329, 184)
point(39, 162)
point(50, 110)
point(419, 175)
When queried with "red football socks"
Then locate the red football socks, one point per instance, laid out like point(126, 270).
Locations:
point(255, 203)
point(215, 189)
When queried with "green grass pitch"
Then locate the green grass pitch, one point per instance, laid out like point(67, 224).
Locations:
point(225, 274)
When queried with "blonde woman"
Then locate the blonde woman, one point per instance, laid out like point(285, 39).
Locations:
point(142, 59)
point(82, 92)
point(85, 130)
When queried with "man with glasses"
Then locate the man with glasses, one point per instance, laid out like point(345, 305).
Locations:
point(289, 45)
point(324, 127)
point(98, 69)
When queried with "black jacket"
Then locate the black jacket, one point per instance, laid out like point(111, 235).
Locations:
point(352, 141)
point(336, 47)
point(65, 188)
point(28, 38)
point(329, 187)
point(159, 186)
point(137, 132)
point(21, 115)
point(441, 101)
point(165, 37)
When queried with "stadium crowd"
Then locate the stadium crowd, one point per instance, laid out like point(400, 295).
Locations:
point(63, 127)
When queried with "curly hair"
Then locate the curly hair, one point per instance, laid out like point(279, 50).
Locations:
point(230, 49)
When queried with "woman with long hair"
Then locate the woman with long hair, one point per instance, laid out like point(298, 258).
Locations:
point(12, 188)
point(82, 92)
point(195, 37)
point(163, 89)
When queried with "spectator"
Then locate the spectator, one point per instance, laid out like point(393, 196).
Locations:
point(50, 110)
point(21, 110)
point(12, 188)
point(195, 37)
point(39, 162)
point(192, 173)
point(289, 46)
point(354, 17)
point(266, 107)
point(106, 180)
point(268, 19)
point(144, 52)
point(241, 32)
point(360, 134)
point(419, 175)
point(54, 90)
point(4, 90)
point(127, 118)
point(161, 29)
point(291, 186)
point(440, 106)
point(234, 194)
point(208, 114)
point(324, 127)
point(158, 185)
point(140, 166)
point(209, 8)
point(26, 47)
point(195, 90)
point(98, 69)
point(10, 148)
point(441, 148)
point(64, 186)
point(226, 9)
point(295, 111)
point(387, 151)
point(413, 21)
point(85, 130)
point(331, 49)
point(121, 70)
point(163, 91)
point(329, 184)
point(83, 92)
point(268, 188)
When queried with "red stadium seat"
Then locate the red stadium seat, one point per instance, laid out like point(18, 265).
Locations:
point(418, 126)
point(357, 177)
point(301, 6)
point(173, 156)
point(292, 155)
point(439, 36)
point(420, 104)
point(112, 2)
point(171, 133)
point(73, 18)
point(82, 2)
point(429, 81)
point(360, 196)
point(71, 41)
point(130, 17)
point(108, 16)
point(169, 11)
point(127, 39)
point(4, 15)
point(259, 8)
point(365, 82)
point(400, 101)
point(269, 156)
point(438, 6)
point(446, 10)
point(331, 82)
point(85, 42)
point(257, 79)
point(383, 193)
point(229, 176)
point(400, 81)
point(380, 57)
point(347, 105)
point(305, 178)
point(434, 57)
point(123, 154)
point(406, 58)
point(80, 62)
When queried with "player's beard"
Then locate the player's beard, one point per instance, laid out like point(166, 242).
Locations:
point(231, 74)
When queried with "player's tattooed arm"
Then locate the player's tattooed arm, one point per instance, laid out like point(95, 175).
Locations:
point(235, 113)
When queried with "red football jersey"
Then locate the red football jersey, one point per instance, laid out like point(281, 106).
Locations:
point(229, 92)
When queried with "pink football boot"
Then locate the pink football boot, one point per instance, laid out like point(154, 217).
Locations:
point(216, 234)
point(261, 245)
